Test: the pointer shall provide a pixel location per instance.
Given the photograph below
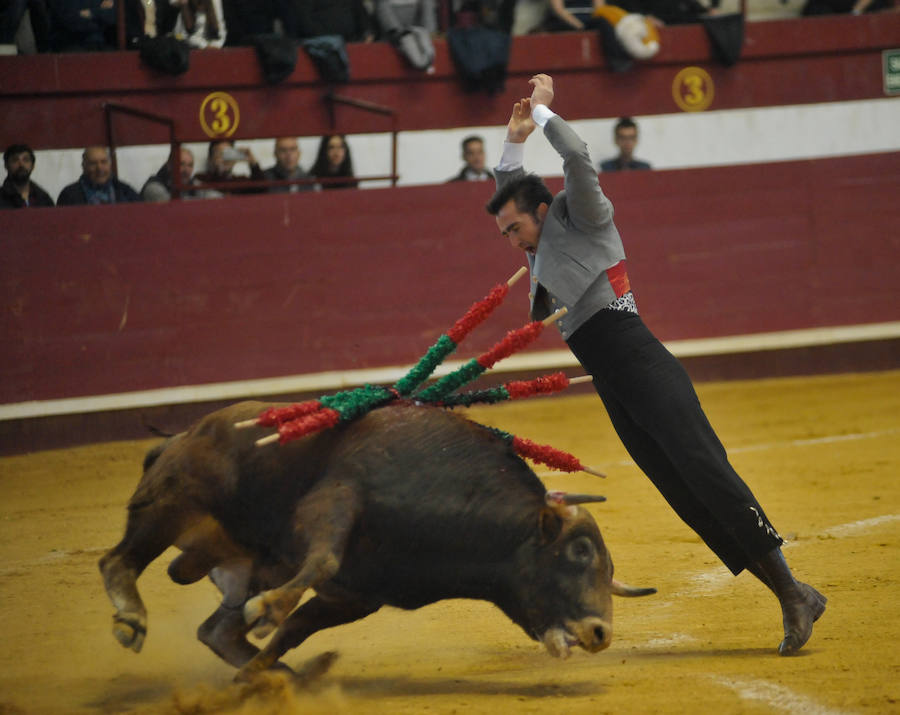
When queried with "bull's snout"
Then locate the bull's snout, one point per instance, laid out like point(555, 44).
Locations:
point(593, 634)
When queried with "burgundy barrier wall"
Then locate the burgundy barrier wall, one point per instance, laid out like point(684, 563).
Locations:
point(100, 300)
point(56, 101)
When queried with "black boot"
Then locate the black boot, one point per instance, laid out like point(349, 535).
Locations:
point(801, 604)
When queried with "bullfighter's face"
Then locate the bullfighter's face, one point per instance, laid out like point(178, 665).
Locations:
point(522, 229)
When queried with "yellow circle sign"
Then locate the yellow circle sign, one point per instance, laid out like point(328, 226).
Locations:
point(219, 115)
point(693, 89)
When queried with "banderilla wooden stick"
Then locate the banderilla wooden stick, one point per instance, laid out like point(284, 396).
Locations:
point(518, 274)
point(556, 316)
point(262, 441)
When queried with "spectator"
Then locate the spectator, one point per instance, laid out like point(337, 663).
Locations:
point(409, 26)
point(82, 25)
point(220, 162)
point(312, 18)
point(854, 7)
point(473, 154)
point(626, 137)
point(333, 160)
point(248, 18)
point(97, 185)
point(667, 12)
point(287, 166)
point(18, 190)
point(158, 187)
point(25, 24)
point(201, 23)
point(563, 15)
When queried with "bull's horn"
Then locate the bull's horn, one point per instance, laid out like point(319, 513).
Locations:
point(566, 499)
point(623, 589)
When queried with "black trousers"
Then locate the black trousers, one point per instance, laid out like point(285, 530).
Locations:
point(655, 411)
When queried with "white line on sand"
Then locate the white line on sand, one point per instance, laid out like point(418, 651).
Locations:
point(855, 527)
point(774, 696)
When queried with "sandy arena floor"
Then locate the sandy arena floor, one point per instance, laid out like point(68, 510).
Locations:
point(822, 455)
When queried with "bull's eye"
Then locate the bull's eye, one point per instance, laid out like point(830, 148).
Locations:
point(580, 551)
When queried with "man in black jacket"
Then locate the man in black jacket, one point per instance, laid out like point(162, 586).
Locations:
point(97, 185)
point(474, 168)
point(18, 190)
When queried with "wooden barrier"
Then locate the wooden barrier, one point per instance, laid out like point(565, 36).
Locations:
point(101, 300)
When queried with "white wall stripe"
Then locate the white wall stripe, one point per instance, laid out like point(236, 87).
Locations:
point(327, 381)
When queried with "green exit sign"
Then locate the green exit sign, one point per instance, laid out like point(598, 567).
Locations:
point(891, 60)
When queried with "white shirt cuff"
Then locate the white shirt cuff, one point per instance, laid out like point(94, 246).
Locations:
point(513, 156)
point(541, 114)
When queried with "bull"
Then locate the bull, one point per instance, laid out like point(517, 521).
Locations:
point(405, 506)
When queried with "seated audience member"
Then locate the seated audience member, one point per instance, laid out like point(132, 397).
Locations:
point(201, 23)
point(220, 162)
point(667, 12)
point(312, 18)
point(473, 156)
point(625, 135)
point(564, 15)
point(246, 19)
point(854, 7)
point(97, 185)
point(25, 24)
point(287, 166)
point(82, 25)
point(159, 187)
point(18, 190)
point(332, 161)
point(409, 26)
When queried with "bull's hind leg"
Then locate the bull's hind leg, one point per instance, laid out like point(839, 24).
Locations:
point(150, 530)
point(321, 526)
point(314, 615)
point(225, 631)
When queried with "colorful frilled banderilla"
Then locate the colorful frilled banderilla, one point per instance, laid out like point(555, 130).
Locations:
point(303, 418)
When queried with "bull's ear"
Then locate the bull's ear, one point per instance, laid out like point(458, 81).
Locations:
point(551, 524)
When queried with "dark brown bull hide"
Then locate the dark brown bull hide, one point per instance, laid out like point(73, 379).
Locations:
point(403, 507)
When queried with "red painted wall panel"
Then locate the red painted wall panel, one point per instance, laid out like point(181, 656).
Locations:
point(99, 300)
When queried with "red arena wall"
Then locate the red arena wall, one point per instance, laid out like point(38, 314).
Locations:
point(104, 300)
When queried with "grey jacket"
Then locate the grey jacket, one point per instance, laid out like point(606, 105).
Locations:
point(579, 241)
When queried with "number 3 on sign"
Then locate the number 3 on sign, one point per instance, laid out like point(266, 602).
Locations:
point(693, 89)
point(219, 115)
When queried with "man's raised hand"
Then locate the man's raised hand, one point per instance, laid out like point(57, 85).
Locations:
point(542, 92)
point(520, 122)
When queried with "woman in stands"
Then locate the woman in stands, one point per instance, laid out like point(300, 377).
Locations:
point(333, 161)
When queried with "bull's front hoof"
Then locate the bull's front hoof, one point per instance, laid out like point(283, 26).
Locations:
point(265, 612)
point(129, 631)
point(257, 616)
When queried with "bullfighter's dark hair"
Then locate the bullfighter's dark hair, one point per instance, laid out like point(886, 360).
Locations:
point(14, 149)
point(528, 192)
